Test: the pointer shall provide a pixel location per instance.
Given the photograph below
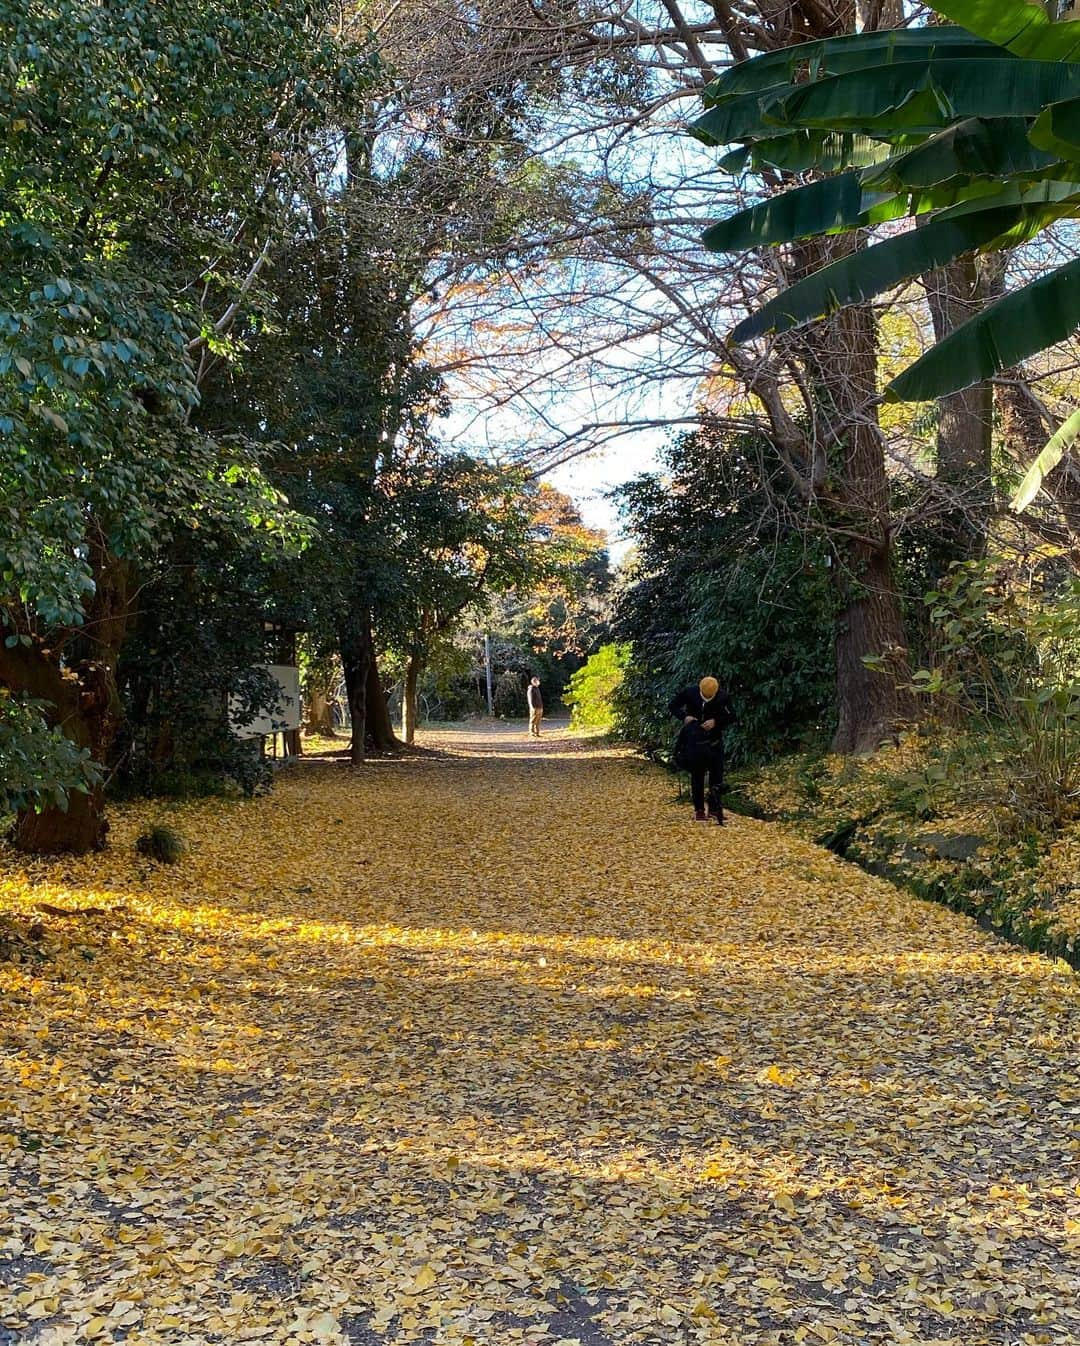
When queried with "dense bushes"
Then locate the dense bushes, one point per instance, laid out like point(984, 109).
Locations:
point(594, 687)
point(978, 807)
point(718, 586)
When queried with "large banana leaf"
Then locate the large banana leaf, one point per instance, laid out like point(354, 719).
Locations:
point(888, 101)
point(1023, 26)
point(995, 148)
point(894, 99)
point(1041, 204)
point(862, 275)
point(816, 208)
point(840, 203)
point(741, 118)
point(1057, 129)
point(1050, 457)
point(1020, 325)
point(799, 151)
point(837, 55)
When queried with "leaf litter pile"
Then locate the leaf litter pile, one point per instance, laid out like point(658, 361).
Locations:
point(501, 1048)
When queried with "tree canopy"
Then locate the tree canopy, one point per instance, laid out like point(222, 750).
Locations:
point(973, 132)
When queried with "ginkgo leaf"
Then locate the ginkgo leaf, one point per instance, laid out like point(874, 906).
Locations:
point(323, 1327)
point(425, 1277)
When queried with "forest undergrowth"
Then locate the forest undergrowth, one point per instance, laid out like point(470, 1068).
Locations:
point(933, 814)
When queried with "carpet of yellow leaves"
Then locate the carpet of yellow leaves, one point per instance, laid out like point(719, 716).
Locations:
point(1036, 885)
point(1059, 883)
point(500, 1048)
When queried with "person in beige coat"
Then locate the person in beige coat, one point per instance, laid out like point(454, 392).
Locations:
point(536, 707)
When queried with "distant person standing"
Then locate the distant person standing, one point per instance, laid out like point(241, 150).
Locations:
point(706, 711)
point(536, 707)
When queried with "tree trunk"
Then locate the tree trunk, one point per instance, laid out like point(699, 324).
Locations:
point(318, 719)
point(356, 661)
point(875, 14)
point(80, 828)
point(82, 701)
point(955, 294)
point(872, 704)
point(410, 701)
point(380, 727)
point(79, 702)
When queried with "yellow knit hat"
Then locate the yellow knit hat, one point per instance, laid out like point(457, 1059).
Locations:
point(708, 687)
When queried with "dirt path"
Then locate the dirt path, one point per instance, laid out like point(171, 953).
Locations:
point(494, 1046)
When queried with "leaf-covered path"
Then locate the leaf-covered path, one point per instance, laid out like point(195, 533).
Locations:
point(498, 1048)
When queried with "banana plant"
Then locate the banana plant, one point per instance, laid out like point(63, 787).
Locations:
point(972, 130)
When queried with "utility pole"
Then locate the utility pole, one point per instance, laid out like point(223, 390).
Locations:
point(487, 672)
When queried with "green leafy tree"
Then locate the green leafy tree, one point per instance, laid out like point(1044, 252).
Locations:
point(464, 535)
point(591, 694)
point(146, 153)
point(718, 585)
point(191, 671)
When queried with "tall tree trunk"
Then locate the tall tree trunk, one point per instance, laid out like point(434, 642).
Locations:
point(410, 701)
point(356, 660)
point(380, 726)
point(881, 14)
point(872, 704)
point(955, 294)
point(79, 701)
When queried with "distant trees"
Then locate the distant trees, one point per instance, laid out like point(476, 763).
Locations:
point(550, 624)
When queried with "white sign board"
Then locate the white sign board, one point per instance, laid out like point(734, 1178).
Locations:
point(285, 714)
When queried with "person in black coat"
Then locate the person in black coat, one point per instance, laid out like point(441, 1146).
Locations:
point(706, 711)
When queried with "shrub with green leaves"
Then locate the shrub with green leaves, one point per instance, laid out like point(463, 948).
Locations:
point(1006, 666)
point(38, 764)
point(162, 843)
point(593, 688)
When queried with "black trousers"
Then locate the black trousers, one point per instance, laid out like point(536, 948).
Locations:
point(709, 762)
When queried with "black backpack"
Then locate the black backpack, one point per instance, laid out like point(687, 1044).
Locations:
point(691, 746)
